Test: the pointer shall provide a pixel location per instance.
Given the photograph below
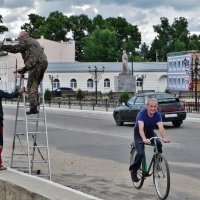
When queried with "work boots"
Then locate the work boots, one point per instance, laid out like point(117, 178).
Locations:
point(33, 110)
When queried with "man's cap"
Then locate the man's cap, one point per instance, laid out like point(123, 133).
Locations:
point(22, 33)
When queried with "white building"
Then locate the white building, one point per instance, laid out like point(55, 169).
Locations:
point(77, 76)
point(65, 72)
point(180, 66)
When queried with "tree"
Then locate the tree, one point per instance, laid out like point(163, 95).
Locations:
point(179, 46)
point(128, 36)
point(169, 38)
point(194, 42)
point(144, 52)
point(81, 27)
point(32, 28)
point(57, 27)
point(2, 27)
point(101, 46)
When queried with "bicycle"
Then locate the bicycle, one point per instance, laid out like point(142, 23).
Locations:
point(160, 171)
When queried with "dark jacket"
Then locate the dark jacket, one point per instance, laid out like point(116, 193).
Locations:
point(6, 95)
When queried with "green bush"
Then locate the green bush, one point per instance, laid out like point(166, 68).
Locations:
point(80, 94)
point(124, 97)
point(47, 95)
point(110, 94)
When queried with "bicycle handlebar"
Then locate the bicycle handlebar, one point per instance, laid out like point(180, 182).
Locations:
point(158, 138)
point(152, 138)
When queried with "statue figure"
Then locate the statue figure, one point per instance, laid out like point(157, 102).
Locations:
point(125, 69)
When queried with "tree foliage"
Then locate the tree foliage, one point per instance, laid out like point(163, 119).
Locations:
point(101, 46)
point(100, 39)
point(172, 38)
point(58, 27)
point(2, 27)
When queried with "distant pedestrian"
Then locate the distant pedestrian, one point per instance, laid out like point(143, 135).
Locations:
point(5, 95)
point(35, 62)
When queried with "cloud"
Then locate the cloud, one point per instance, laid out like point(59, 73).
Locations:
point(17, 4)
point(143, 13)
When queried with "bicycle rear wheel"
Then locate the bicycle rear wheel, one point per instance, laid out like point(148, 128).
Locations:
point(161, 176)
point(140, 176)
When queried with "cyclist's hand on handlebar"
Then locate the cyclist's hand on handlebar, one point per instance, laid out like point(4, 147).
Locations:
point(165, 140)
point(147, 141)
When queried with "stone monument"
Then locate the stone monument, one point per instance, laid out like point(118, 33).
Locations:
point(125, 69)
point(125, 82)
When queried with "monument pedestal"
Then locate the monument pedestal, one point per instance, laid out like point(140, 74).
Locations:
point(125, 83)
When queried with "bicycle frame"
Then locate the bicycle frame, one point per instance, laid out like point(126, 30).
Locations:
point(145, 168)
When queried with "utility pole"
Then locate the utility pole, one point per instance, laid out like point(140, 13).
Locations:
point(96, 73)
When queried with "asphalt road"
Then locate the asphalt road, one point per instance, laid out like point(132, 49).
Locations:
point(95, 155)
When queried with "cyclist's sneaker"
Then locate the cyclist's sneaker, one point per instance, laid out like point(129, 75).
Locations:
point(130, 167)
point(2, 167)
point(134, 177)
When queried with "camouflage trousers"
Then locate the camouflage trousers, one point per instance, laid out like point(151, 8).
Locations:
point(34, 79)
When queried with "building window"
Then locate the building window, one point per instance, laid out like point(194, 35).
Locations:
point(107, 83)
point(73, 83)
point(90, 83)
point(139, 82)
point(56, 83)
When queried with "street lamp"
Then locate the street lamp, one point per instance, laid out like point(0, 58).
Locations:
point(96, 75)
point(16, 73)
point(131, 55)
point(141, 82)
point(51, 78)
point(193, 71)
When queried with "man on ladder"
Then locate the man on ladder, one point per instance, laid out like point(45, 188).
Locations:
point(35, 62)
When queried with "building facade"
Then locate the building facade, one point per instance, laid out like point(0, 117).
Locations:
point(150, 76)
point(180, 71)
point(64, 71)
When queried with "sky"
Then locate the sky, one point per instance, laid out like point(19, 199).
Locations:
point(143, 13)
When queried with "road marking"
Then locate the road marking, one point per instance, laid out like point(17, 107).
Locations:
point(192, 119)
point(78, 130)
point(184, 164)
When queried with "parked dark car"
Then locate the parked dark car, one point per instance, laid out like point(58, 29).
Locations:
point(172, 110)
point(63, 90)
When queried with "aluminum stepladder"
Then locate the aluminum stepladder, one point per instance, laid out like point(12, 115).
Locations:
point(31, 153)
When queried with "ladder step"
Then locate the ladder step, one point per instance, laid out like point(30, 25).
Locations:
point(42, 175)
point(35, 119)
point(18, 167)
point(20, 154)
point(39, 161)
point(36, 132)
point(37, 147)
point(20, 120)
point(20, 133)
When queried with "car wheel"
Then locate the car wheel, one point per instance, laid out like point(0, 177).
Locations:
point(118, 120)
point(177, 123)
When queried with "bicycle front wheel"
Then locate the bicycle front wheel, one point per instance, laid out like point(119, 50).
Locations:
point(140, 176)
point(161, 176)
